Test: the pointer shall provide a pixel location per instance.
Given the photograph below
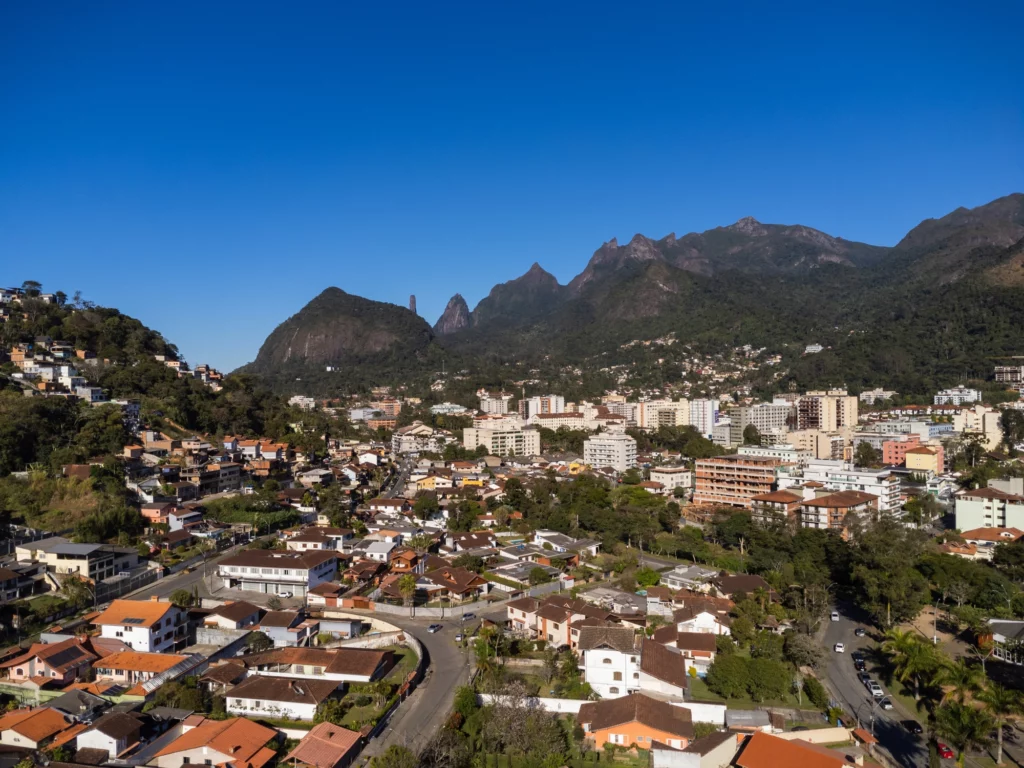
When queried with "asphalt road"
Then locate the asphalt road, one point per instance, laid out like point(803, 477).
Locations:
point(906, 749)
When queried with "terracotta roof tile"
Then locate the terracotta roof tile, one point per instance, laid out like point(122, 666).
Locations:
point(324, 746)
point(657, 715)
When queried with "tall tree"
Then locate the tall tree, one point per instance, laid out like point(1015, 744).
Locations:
point(1001, 703)
point(963, 726)
point(912, 658)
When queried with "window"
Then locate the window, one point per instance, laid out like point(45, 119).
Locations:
point(639, 738)
point(617, 676)
point(613, 690)
point(636, 675)
point(606, 661)
point(184, 760)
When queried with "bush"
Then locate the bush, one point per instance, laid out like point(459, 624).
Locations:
point(728, 676)
point(767, 679)
point(816, 692)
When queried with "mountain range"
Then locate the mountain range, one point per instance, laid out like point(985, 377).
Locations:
point(749, 282)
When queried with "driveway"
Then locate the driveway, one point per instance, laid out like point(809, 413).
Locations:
point(906, 749)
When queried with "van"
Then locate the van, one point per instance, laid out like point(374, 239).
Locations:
point(835, 615)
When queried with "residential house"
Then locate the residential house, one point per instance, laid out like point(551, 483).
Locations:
point(55, 664)
point(693, 577)
point(31, 728)
point(763, 750)
point(697, 648)
point(457, 584)
point(636, 721)
point(610, 659)
point(321, 538)
point(342, 665)
point(279, 697)
point(132, 669)
point(93, 562)
point(703, 614)
point(150, 626)
point(234, 615)
point(832, 510)
point(115, 733)
point(275, 572)
point(289, 629)
point(325, 746)
point(237, 743)
point(664, 671)
point(559, 542)
point(728, 585)
point(986, 539)
point(716, 750)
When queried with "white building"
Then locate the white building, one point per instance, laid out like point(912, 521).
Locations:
point(113, 733)
point(495, 403)
point(703, 414)
point(503, 442)
point(303, 402)
point(610, 660)
point(844, 476)
point(275, 571)
point(787, 454)
point(279, 697)
point(448, 409)
point(672, 477)
point(617, 451)
point(957, 396)
point(150, 626)
point(876, 395)
point(531, 406)
point(988, 508)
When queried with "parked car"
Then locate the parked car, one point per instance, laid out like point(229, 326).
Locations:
point(286, 593)
point(857, 655)
point(876, 690)
point(459, 637)
point(468, 616)
point(835, 615)
point(434, 628)
point(864, 677)
point(885, 703)
point(945, 752)
point(839, 648)
point(860, 632)
point(860, 666)
point(913, 726)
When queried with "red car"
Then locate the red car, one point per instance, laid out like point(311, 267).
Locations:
point(945, 752)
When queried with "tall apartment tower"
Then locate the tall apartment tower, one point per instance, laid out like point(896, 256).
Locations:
point(827, 410)
point(412, 303)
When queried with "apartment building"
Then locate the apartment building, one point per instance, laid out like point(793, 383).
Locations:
point(957, 396)
point(94, 562)
point(786, 454)
point(672, 477)
point(844, 476)
point(826, 410)
point(506, 441)
point(831, 510)
point(988, 508)
point(617, 451)
point(275, 571)
point(767, 418)
point(876, 395)
point(776, 506)
point(149, 626)
point(1010, 374)
point(498, 404)
point(733, 480)
point(570, 420)
point(703, 415)
point(928, 459)
point(532, 406)
point(652, 414)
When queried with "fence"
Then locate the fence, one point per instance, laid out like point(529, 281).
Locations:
point(112, 588)
point(700, 712)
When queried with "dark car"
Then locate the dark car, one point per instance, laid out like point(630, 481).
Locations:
point(864, 677)
point(857, 655)
point(468, 616)
point(913, 726)
point(860, 632)
point(860, 666)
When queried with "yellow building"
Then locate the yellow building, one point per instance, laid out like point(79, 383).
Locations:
point(924, 459)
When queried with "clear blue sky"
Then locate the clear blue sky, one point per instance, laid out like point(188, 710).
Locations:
point(210, 167)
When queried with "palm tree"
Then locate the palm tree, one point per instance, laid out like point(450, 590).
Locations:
point(963, 726)
point(407, 586)
point(911, 657)
point(1000, 703)
point(961, 678)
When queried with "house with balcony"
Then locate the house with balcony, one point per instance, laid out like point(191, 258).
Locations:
point(150, 626)
point(275, 572)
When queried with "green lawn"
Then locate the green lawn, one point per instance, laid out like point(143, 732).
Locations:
point(699, 691)
point(405, 663)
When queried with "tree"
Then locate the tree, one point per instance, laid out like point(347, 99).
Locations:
point(396, 757)
point(257, 642)
point(751, 435)
point(274, 603)
point(767, 645)
point(182, 598)
point(330, 711)
point(802, 650)
point(911, 657)
point(743, 630)
point(407, 586)
point(647, 577)
point(866, 455)
point(816, 692)
point(632, 476)
point(962, 726)
point(767, 679)
point(538, 575)
point(75, 590)
point(1001, 703)
point(465, 701)
point(470, 562)
point(961, 679)
point(728, 676)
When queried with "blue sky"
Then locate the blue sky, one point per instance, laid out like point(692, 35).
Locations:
point(210, 167)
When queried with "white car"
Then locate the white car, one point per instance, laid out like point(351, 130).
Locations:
point(835, 615)
point(284, 594)
point(839, 648)
point(876, 690)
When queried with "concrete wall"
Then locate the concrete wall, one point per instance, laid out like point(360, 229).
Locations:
point(701, 713)
point(819, 735)
point(548, 705)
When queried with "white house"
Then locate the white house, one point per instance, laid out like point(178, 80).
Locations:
point(274, 571)
point(115, 733)
point(342, 665)
point(279, 697)
point(150, 626)
point(610, 659)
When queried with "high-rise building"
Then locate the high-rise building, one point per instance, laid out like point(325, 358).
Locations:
point(504, 441)
point(531, 406)
point(826, 410)
point(733, 480)
point(766, 418)
point(651, 414)
point(495, 403)
point(617, 451)
point(412, 303)
point(703, 414)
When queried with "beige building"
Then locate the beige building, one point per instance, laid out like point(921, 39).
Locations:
point(980, 419)
point(826, 410)
point(733, 480)
point(672, 477)
point(820, 444)
point(506, 441)
point(617, 451)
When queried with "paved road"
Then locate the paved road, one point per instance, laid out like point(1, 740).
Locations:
point(908, 750)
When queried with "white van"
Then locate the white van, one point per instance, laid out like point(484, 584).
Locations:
point(835, 615)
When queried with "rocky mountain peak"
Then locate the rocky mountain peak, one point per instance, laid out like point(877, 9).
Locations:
point(748, 225)
point(454, 318)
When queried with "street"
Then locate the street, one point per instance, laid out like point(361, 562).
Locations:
point(905, 748)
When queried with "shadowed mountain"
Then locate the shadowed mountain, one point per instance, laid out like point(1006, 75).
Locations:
point(455, 317)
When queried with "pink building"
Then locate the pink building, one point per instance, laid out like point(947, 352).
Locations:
point(894, 452)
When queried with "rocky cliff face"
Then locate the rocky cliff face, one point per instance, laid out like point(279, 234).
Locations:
point(337, 327)
point(527, 297)
point(454, 318)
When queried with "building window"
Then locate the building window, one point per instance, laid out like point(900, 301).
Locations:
point(606, 661)
point(613, 690)
point(617, 676)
